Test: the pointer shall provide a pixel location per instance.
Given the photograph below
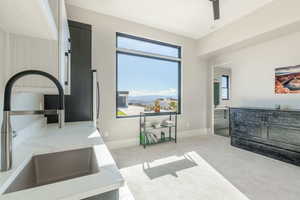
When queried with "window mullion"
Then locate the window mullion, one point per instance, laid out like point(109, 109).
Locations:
point(134, 52)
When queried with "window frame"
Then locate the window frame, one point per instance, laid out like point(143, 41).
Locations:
point(152, 56)
point(150, 41)
point(228, 86)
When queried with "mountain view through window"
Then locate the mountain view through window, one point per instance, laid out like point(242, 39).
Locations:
point(148, 77)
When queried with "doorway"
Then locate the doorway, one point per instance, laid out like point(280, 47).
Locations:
point(221, 99)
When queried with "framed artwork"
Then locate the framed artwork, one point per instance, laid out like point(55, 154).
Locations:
point(287, 80)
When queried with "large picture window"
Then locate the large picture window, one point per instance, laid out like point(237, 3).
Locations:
point(148, 76)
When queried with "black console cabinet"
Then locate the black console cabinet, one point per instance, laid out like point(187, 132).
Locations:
point(270, 132)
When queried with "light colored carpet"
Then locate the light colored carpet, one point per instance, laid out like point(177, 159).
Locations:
point(205, 168)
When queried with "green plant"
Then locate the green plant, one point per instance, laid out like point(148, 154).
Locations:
point(120, 113)
point(173, 105)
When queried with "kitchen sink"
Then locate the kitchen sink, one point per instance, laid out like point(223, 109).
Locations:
point(54, 167)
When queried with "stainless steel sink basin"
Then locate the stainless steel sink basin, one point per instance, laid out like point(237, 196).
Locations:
point(54, 167)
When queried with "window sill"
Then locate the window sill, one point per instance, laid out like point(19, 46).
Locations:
point(148, 115)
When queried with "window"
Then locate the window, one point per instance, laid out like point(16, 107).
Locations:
point(148, 76)
point(225, 87)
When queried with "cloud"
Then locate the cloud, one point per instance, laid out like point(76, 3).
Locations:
point(168, 92)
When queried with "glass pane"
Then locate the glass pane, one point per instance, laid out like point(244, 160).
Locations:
point(146, 85)
point(147, 47)
point(224, 82)
point(224, 93)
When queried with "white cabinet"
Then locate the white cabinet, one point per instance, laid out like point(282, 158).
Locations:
point(35, 50)
point(64, 52)
point(64, 49)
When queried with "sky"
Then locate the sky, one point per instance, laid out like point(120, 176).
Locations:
point(147, 76)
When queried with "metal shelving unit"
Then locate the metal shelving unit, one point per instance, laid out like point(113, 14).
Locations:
point(145, 139)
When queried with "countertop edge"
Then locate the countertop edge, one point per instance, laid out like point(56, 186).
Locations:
point(84, 135)
point(266, 109)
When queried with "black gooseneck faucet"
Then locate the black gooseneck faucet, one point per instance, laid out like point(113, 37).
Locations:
point(6, 130)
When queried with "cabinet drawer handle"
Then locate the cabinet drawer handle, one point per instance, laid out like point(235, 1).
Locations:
point(68, 68)
point(98, 100)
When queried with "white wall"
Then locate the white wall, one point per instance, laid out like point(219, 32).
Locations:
point(2, 66)
point(32, 53)
point(104, 59)
point(20, 101)
point(25, 101)
point(253, 71)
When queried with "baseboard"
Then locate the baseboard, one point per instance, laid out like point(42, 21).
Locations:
point(117, 144)
point(191, 133)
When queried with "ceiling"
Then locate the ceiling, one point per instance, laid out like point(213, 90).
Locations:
point(190, 18)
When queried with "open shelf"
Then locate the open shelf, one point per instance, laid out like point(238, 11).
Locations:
point(149, 138)
point(156, 128)
point(167, 139)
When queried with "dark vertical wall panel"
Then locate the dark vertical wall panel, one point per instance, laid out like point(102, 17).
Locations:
point(78, 105)
point(80, 102)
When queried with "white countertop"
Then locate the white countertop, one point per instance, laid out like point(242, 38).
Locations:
point(53, 139)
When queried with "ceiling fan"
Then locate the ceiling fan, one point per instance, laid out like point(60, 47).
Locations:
point(216, 9)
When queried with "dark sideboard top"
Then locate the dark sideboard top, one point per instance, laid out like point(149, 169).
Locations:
point(266, 109)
